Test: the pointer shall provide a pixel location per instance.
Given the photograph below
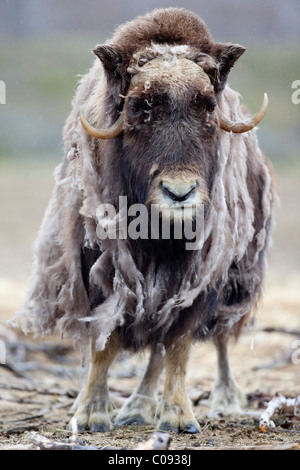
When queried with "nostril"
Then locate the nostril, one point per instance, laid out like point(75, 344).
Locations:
point(176, 195)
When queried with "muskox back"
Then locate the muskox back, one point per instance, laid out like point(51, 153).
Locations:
point(150, 122)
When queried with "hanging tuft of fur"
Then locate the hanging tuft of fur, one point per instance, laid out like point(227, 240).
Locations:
point(58, 297)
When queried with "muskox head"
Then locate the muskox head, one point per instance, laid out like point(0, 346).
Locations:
point(170, 122)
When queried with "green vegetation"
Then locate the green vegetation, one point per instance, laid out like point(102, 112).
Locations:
point(272, 70)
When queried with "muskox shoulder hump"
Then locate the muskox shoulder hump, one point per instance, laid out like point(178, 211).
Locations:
point(173, 26)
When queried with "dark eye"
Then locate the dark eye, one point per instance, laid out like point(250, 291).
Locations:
point(210, 108)
point(134, 109)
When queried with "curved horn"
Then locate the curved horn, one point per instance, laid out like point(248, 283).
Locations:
point(109, 133)
point(240, 127)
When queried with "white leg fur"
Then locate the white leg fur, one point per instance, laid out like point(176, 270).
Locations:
point(227, 397)
point(175, 408)
point(93, 403)
point(140, 407)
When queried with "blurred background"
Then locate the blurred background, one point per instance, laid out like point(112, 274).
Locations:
point(44, 47)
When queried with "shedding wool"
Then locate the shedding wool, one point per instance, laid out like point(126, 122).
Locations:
point(135, 295)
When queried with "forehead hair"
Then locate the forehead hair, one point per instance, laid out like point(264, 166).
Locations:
point(170, 74)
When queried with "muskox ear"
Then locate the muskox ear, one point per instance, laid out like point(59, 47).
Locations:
point(110, 58)
point(226, 56)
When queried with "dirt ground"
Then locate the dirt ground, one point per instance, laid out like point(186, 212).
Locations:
point(40, 378)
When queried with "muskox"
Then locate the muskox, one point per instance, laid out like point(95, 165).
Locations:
point(154, 122)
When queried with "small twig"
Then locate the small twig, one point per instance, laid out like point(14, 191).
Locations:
point(28, 418)
point(271, 329)
point(74, 429)
point(40, 391)
point(275, 404)
point(19, 429)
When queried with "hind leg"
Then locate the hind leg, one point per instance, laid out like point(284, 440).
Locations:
point(140, 407)
point(175, 408)
point(227, 397)
point(93, 403)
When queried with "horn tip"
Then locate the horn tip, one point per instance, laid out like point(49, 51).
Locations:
point(83, 120)
point(81, 114)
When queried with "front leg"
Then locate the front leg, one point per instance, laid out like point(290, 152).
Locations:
point(93, 402)
point(175, 408)
point(140, 407)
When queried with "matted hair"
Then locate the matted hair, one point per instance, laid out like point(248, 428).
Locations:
point(237, 226)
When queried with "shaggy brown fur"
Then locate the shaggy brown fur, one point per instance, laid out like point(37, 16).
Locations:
point(149, 292)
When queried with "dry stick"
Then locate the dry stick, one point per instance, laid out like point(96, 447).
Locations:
point(275, 404)
point(40, 391)
point(12, 369)
point(158, 441)
point(19, 429)
point(271, 329)
point(45, 444)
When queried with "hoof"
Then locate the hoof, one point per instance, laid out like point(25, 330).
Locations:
point(93, 422)
point(82, 428)
point(187, 429)
point(100, 427)
point(167, 427)
point(132, 420)
point(137, 409)
point(190, 429)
